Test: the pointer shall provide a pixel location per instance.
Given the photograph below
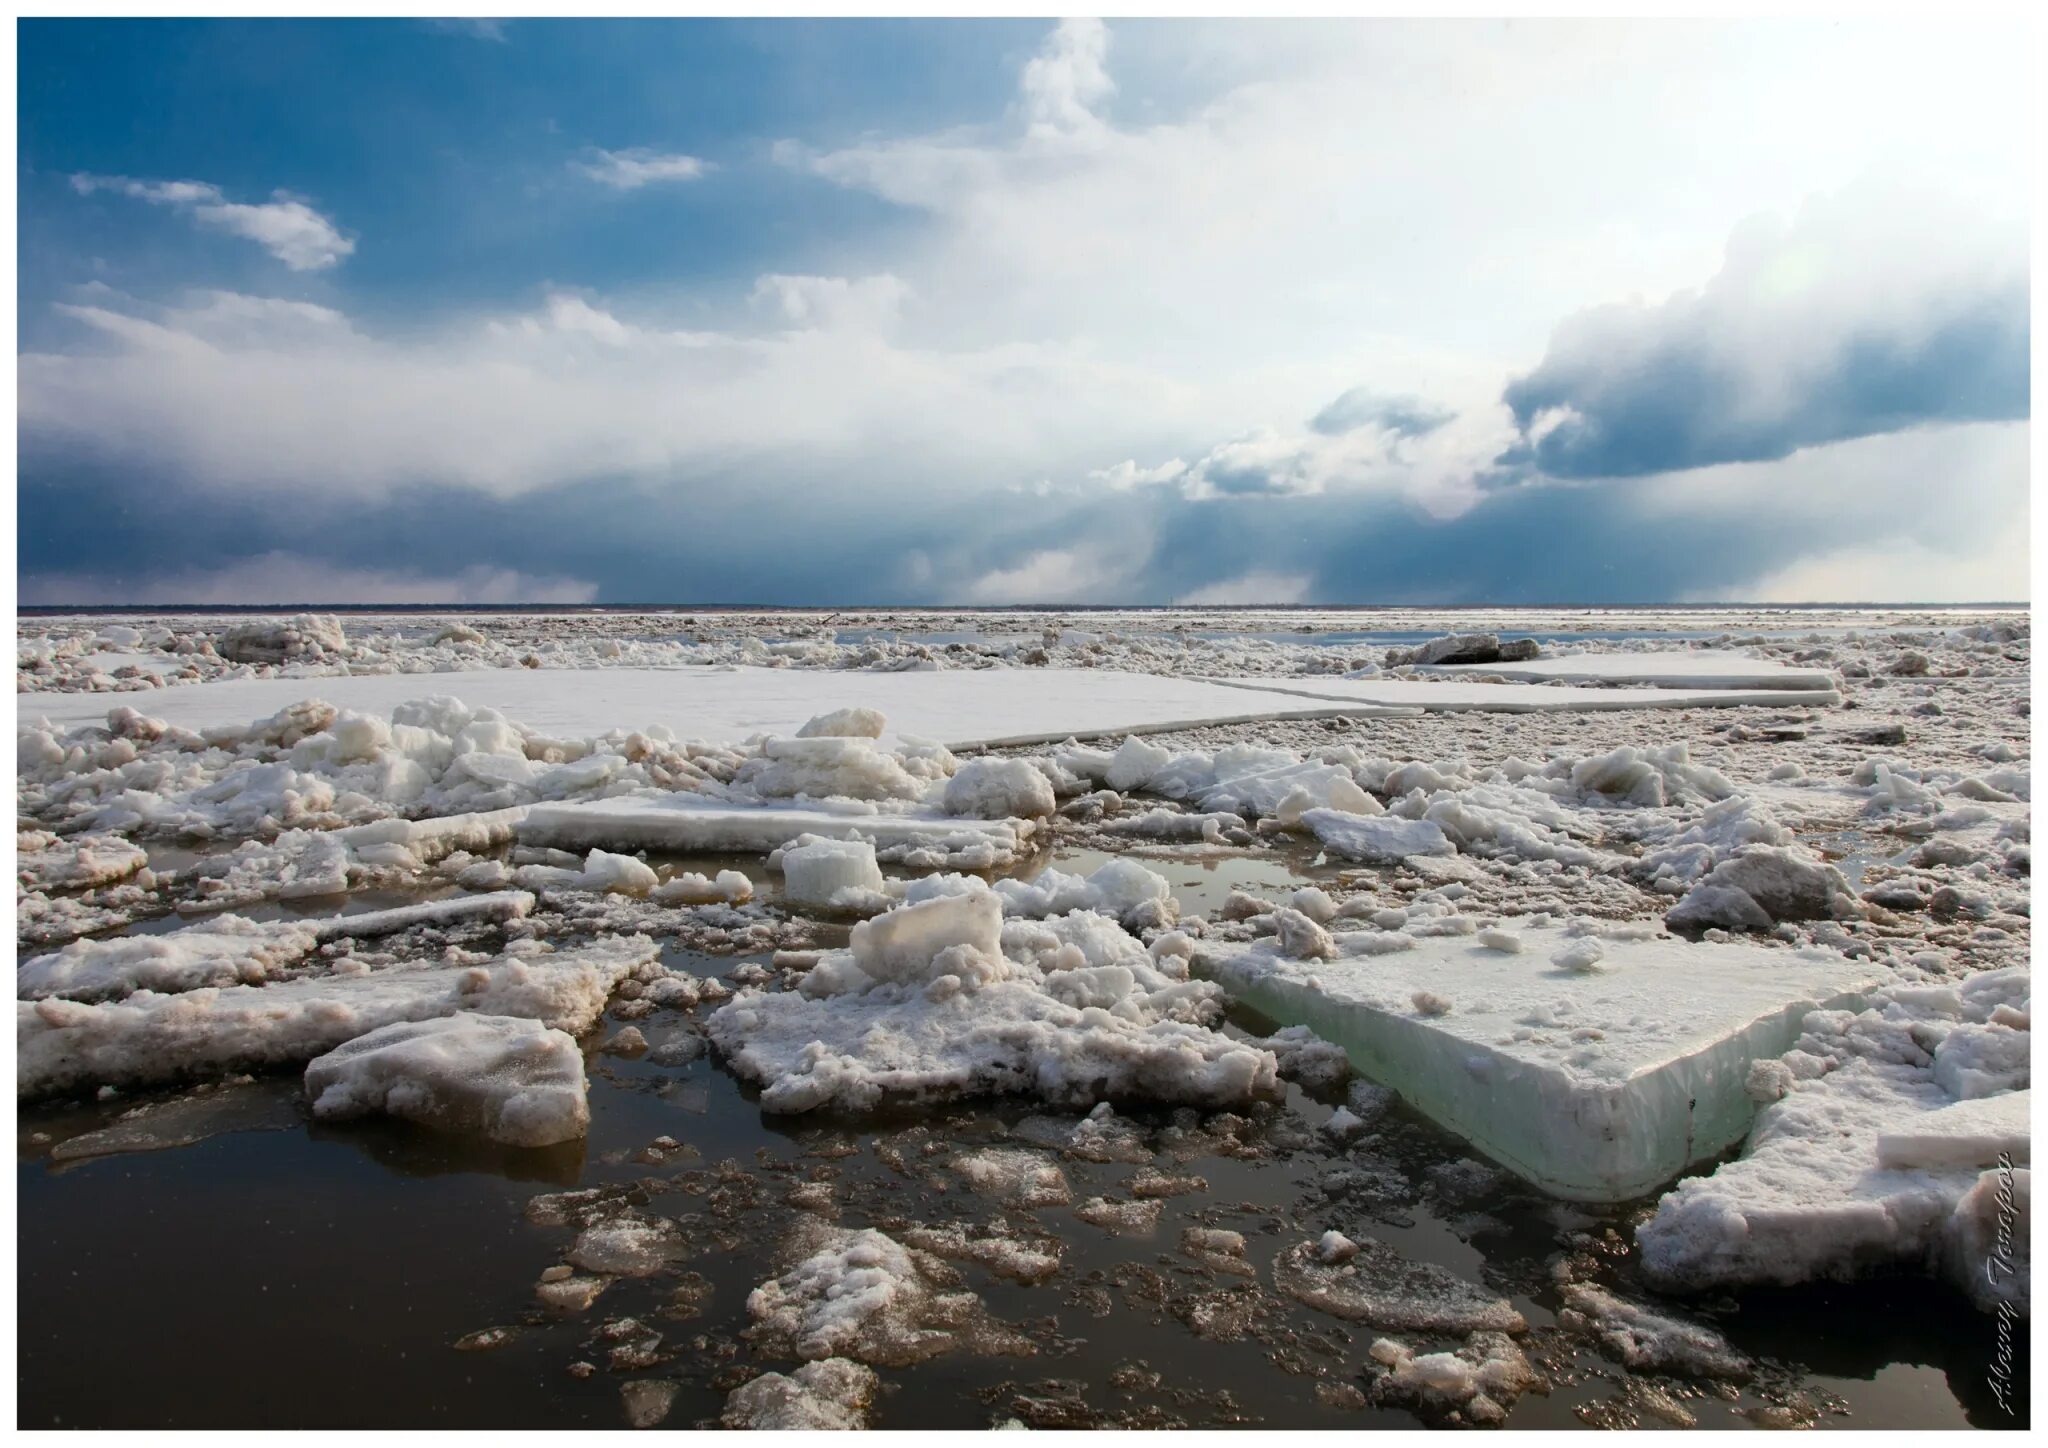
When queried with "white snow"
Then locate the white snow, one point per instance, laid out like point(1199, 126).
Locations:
point(147, 1038)
point(511, 1080)
point(1888, 1118)
point(225, 950)
point(942, 999)
point(964, 708)
point(230, 950)
point(1595, 1087)
point(1447, 694)
point(1977, 1132)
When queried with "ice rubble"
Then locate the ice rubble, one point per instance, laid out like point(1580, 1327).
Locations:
point(1899, 1127)
point(1647, 1339)
point(1365, 1280)
point(863, 1295)
point(43, 862)
point(150, 1038)
point(829, 874)
point(1125, 890)
point(1477, 1383)
point(1595, 1085)
point(831, 1394)
point(511, 1080)
point(942, 999)
point(230, 950)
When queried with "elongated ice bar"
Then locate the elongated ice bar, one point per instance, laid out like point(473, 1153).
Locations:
point(686, 824)
point(1593, 1084)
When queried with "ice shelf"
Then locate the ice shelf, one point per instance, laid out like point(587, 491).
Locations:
point(1595, 1084)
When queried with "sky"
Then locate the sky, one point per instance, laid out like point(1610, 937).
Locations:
point(1018, 312)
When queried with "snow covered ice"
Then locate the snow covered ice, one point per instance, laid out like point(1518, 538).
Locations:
point(1595, 1082)
point(942, 999)
point(150, 1037)
point(1887, 1120)
point(511, 1080)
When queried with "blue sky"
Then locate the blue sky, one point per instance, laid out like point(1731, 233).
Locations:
point(1008, 312)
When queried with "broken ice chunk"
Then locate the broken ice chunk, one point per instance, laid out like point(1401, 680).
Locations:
point(511, 1080)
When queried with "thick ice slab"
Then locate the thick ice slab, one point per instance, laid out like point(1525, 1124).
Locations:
point(1455, 695)
point(1595, 1085)
point(150, 1038)
point(958, 707)
point(695, 824)
point(1675, 669)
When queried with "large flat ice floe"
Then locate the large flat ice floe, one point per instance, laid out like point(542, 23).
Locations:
point(1681, 669)
point(960, 708)
point(1453, 695)
point(1595, 1068)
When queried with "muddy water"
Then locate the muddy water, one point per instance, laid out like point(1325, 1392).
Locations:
point(283, 1274)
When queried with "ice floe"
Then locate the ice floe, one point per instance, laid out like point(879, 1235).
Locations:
point(1592, 1084)
point(1898, 1127)
point(941, 999)
point(511, 1080)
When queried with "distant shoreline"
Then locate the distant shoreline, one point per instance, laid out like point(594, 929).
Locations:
point(64, 610)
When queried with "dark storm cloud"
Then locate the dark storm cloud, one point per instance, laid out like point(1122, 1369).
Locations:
point(1800, 340)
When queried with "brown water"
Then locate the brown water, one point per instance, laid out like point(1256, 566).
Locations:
point(295, 1275)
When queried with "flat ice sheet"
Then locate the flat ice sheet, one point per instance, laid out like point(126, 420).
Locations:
point(959, 707)
point(1594, 1086)
point(1454, 695)
point(1673, 669)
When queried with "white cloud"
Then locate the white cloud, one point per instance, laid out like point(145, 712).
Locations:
point(286, 578)
point(1250, 589)
point(284, 226)
point(1906, 572)
point(861, 303)
point(631, 169)
point(1064, 83)
point(1053, 575)
point(1387, 211)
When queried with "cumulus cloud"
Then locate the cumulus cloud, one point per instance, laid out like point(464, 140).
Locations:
point(285, 578)
point(629, 170)
point(236, 392)
point(1233, 326)
point(1843, 323)
point(284, 226)
point(1067, 80)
